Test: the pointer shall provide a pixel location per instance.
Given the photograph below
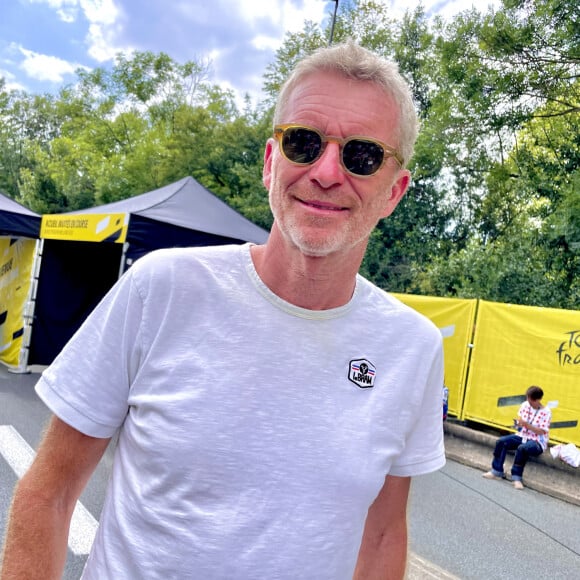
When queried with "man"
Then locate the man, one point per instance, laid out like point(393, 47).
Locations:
point(531, 440)
point(272, 405)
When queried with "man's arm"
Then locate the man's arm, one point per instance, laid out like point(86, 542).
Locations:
point(383, 551)
point(532, 428)
point(44, 500)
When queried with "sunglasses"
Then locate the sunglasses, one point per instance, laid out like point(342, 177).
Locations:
point(360, 156)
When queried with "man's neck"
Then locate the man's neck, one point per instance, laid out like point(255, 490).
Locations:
point(315, 283)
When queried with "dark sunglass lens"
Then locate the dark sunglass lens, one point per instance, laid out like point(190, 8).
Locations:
point(362, 157)
point(301, 145)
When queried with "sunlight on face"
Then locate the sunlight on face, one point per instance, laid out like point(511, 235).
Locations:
point(320, 208)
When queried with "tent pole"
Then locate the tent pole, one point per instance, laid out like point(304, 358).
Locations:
point(123, 256)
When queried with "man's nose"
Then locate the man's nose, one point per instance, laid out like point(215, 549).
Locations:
point(328, 170)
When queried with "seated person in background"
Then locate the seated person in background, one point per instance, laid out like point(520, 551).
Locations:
point(531, 440)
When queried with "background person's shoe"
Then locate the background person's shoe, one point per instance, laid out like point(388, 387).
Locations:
point(518, 485)
point(490, 475)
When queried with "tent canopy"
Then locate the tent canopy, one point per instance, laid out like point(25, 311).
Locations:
point(16, 220)
point(186, 204)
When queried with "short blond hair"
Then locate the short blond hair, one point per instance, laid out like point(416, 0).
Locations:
point(357, 63)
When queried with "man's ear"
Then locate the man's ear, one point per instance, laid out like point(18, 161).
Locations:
point(397, 191)
point(267, 169)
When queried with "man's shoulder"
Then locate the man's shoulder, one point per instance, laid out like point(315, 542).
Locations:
point(169, 269)
point(384, 304)
point(199, 254)
point(175, 262)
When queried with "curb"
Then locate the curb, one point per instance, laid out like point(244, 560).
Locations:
point(544, 474)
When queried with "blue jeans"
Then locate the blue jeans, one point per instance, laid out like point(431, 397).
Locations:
point(523, 451)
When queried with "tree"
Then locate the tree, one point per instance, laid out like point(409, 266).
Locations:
point(27, 122)
point(530, 53)
point(508, 110)
point(119, 130)
point(296, 45)
point(492, 211)
point(531, 214)
point(510, 269)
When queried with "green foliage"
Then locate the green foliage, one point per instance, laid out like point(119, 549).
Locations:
point(39, 193)
point(296, 46)
point(507, 270)
point(24, 120)
point(493, 210)
point(405, 243)
point(413, 51)
point(508, 113)
point(531, 52)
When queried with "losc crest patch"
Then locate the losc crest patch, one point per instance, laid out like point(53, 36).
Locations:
point(362, 373)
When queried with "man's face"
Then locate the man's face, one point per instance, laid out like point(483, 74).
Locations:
point(320, 208)
point(535, 403)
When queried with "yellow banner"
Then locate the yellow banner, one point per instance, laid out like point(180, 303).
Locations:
point(16, 257)
point(455, 318)
point(89, 227)
point(519, 346)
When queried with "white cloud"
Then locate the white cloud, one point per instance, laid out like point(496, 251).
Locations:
point(42, 67)
point(293, 18)
point(268, 43)
point(214, 54)
point(100, 43)
point(100, 11)
point(66, 10)
point(252, 10)
point(284, 13)
point(102, 15)
point(95, 11)
point(11, 83)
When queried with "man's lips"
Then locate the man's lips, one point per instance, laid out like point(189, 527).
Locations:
point(322, 205)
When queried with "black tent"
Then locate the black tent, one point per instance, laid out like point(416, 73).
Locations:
point(19, 230)
point(75, 275)
point(16, 221)
point(183, 213)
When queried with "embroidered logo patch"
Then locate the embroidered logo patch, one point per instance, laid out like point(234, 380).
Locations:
point(362, 373)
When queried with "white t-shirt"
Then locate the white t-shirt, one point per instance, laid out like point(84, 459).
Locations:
point(254, 434)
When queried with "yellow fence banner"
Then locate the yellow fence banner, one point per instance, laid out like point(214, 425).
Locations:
point(455, 319)
point(89, 227)
point(519, 346)
point(16, 258)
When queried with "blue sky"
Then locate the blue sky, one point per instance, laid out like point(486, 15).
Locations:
point(43, 42)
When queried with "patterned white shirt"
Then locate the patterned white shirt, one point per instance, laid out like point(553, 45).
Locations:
point(539, 418)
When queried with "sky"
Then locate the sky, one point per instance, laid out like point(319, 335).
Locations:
point(43, 42)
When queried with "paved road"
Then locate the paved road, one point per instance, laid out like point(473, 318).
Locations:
point(477, 529)
point(461, 525)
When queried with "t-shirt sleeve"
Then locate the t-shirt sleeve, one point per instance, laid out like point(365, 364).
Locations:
point(424, 450)
point(87, 385)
